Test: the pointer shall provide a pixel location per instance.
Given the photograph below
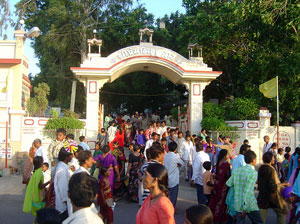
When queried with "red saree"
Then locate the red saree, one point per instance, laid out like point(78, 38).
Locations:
point(218, 196)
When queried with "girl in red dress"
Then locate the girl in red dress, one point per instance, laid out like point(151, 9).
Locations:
point(105, 198)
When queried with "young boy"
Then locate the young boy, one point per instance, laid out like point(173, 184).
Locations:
point(141, 140)
point(83, 144)
point(211, 155)
point(105, 198)
point(46, 174)
point(207, 180)
point(55, 147)
point(279, 159)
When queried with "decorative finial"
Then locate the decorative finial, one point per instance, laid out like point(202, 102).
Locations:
point(95, 41)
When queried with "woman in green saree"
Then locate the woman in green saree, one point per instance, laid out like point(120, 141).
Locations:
point(35, 189)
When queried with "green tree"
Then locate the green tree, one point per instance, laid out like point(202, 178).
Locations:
point(37, 105)
point(251, 42)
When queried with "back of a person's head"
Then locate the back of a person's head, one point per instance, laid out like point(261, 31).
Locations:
point(136, 148)
point(81, 138)
point(82, 189)
point(199, 147)
point(155, 152)
point(199, 214)
point(47, 216)
point(83, 156)
point(288, 149)
point(63, 154)
point(286, 156)
point(172, 146)
point(250, 156)
point(267, 157)
point(37, 162)
point(243, 149)
point(156, 170)
point(207, 165)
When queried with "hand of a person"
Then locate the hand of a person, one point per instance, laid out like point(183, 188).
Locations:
point(192, 182)
point(178, 165)
point(118, 178)
point(52, 163)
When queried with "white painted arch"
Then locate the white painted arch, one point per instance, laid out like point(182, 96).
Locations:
point(96, 70)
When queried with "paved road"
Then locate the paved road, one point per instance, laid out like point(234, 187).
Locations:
point(12, 196)
point(12, 193)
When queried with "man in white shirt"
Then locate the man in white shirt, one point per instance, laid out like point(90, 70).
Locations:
point(112, 132)
point(267, 144)
point(172, 162)
point(185, 155)
point(86, 162)
point(82, 192)
point(61, 180)
point(158, 130)
point(198, 171)
point(163, 127)
point(40, 150)
point(150, 142)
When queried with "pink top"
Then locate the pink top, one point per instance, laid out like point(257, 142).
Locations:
point(161, 212)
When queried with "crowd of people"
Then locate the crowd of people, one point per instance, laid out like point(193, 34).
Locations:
point(68, 184)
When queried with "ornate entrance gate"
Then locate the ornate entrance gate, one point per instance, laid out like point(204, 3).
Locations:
point(95, 71)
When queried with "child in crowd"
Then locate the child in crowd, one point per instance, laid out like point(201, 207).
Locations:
point(34, 193)
point(279, 159)
point(211, 155)
point(164, 144)
point(47, 215)
point(46, 174)
point(74, 164)
point(286, 164)
point(198, 214)
point(70, 137)
point(288, 151)
point(207, 180)
point(115, 150)
point(141, 140)
point(55, 147)
point(106, 197)
point(83, 143)
point(130, 147)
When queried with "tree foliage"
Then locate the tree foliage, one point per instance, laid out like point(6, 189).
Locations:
point(68, 123)
point(251, 42)
point(37, 105)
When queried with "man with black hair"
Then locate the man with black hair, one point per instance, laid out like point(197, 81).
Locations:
point(86, 161)
point(243, 180)
point(61, 179)
point(82, 192)
point(154, 138)
point(198, 172)
point(172, 163)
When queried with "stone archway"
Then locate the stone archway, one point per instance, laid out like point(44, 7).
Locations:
point(96, 70)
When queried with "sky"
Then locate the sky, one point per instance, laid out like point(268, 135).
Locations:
point(157, 7)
